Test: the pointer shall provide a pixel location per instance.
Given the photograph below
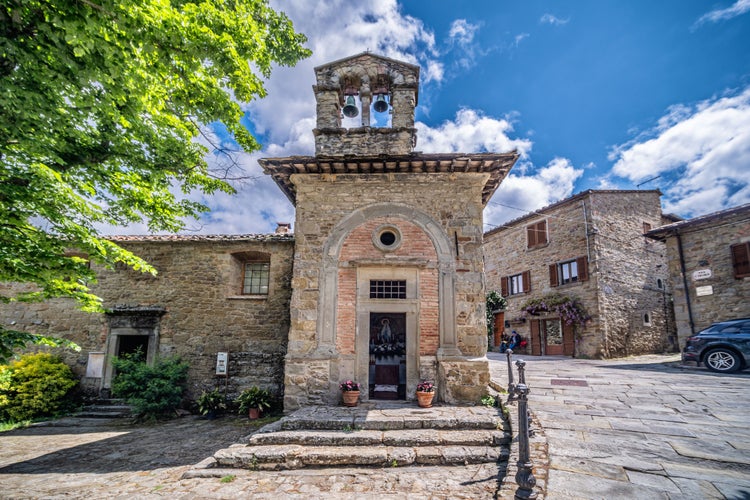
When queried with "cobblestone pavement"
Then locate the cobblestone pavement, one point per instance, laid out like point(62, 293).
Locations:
point(639, 428)
point(91, 459)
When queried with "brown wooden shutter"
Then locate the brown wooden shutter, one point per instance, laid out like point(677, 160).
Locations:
point(553, 275)
point(741, 260)
point(504, 286)
point(583, 268)
point(530, 236)
point(526, 281)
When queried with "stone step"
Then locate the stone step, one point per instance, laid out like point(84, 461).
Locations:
point(400, 438)
point(397, 418)
point(293, 456)
point(106, 409)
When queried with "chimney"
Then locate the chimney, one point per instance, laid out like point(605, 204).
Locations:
point(283, 227)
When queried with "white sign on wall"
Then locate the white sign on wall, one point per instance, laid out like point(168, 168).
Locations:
point(702, 274)
point(222, 359)
point(701, 291)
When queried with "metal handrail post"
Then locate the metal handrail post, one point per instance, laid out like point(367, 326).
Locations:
point(525, 475)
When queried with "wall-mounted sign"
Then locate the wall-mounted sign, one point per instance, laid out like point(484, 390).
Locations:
point(701, 291)
point(221, 363)
point(702, 274)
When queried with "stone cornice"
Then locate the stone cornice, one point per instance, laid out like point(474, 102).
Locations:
point(497, 165)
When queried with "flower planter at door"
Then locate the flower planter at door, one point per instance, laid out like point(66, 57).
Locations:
point(424, 399)
point(351, 398)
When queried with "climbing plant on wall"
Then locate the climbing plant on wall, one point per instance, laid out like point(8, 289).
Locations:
point(570, 309)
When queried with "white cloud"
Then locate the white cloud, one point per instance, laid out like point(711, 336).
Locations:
point(552, 19)
point(706, 150)
point(462, 31)
point(737, 9)
point(520, 194)
point(470, 132)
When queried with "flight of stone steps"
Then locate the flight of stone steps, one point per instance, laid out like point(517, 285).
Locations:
point(394, 435)
point(106, 409)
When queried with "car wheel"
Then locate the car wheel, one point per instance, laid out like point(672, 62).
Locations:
point(722, 361)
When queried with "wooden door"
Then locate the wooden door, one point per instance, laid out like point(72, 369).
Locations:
point(499, 328)
point(553, 337)
point(536, 342)
point(569, 343)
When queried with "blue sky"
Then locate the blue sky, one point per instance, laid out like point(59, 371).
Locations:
point(595, 94)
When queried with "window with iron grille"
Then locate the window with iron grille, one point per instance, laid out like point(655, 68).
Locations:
point(255, 281)
point(387, 289)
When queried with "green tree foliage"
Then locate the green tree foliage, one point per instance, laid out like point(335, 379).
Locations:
point(154, 391)
point(36, 385)
point(102, 103)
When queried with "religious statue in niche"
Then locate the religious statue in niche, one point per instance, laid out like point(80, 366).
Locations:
point(387, 334)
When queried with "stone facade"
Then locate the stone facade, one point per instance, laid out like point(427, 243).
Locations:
point(363, 184)
point(707, 288)
point(192, 308)
point(621, 276)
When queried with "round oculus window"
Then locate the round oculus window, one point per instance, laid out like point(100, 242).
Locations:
point(387, 238)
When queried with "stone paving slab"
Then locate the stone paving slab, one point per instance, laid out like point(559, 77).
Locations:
point(674, 432)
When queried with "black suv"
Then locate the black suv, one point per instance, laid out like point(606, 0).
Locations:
point(723, 347)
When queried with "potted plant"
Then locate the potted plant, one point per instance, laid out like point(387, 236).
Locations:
point(425, 393)
point(350, 392)
point(211, 403)
point(254, 401)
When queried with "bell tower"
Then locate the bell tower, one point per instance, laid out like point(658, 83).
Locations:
point(354, 91)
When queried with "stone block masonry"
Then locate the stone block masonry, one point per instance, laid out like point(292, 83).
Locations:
point(198, 285)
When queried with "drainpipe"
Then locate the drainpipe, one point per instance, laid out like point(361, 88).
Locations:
point(685, 283)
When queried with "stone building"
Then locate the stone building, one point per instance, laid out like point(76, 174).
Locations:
point(709, 268)
point(591, 247)
point(382, 281)
point(211, 294)
point(388, 281)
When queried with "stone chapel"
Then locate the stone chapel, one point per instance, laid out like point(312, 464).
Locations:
point(388, 278)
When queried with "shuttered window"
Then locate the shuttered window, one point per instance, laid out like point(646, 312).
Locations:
point(569, 271)
point(741, 260)
point(515, 284)
point(536, 234)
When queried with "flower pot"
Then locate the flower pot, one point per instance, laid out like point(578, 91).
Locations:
point(424, 399)
point(351, 398)
point(254, 413)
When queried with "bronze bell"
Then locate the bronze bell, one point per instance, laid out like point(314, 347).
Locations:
point(380, 105)
point(350, 108)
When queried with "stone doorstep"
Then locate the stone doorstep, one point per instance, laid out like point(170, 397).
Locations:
point(277, 457)
point(399, 438)
point(386, 422)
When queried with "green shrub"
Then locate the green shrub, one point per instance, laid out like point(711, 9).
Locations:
point(36, 385)
point(153, 391)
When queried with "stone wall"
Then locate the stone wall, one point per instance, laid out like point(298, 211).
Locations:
point(632, 275)
point(707, 247)
point(606, 227)
point(198, 285)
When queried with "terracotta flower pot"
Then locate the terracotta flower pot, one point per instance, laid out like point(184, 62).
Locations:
point(254, 413)
point(424, 399)
point(351, 398)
